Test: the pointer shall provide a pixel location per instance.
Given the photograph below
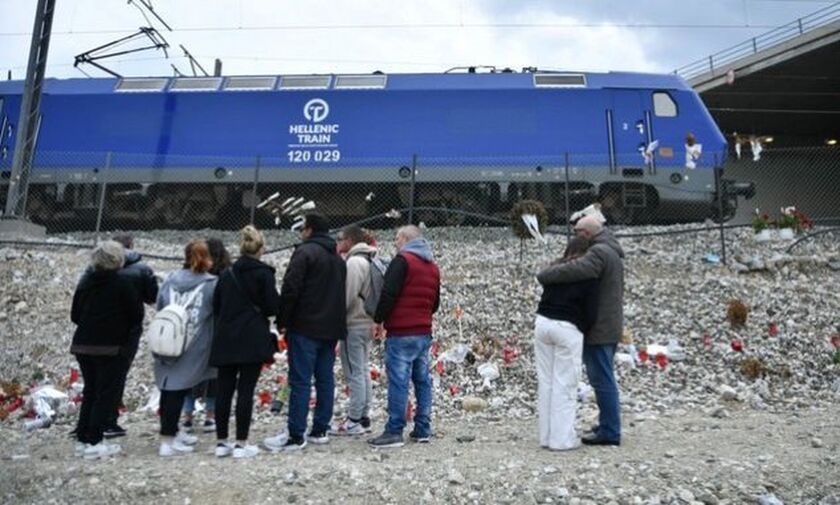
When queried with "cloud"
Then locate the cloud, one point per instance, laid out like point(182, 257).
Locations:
point(409, 36)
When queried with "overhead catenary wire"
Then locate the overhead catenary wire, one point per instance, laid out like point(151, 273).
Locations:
point(429, 26)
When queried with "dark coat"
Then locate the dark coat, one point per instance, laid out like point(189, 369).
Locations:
point(312, 296)
point(143, 280)
point(105, 309)
point(575, 302)
point(242, 310)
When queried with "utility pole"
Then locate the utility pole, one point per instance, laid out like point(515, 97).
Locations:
point(29, 118)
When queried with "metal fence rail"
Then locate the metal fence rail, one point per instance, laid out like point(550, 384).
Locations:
point(789, 31)
point(107, 192)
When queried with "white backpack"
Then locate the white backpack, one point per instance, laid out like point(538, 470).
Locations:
point(167, 333)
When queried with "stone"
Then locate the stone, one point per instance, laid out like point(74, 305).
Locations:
point(473, 404)
point(727, 393)
point(455, 477)
point(816, 443)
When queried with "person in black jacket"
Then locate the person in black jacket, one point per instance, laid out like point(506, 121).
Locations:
point(314, 317)
point(143, 279)
point(246, 296)
point(565, 314)
point(106, 308)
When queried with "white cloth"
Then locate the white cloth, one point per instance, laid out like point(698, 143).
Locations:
point(558, 349)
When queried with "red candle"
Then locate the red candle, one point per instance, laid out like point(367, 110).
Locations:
point(74, 376)
point(662, 360)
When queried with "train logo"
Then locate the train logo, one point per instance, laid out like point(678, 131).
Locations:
point(316, 110)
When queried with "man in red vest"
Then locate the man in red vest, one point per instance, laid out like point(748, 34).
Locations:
point(410, 296)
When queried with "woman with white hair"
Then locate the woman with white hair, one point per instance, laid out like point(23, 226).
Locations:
point(105, 308)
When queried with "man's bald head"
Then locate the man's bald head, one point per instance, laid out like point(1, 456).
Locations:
point(589, 226)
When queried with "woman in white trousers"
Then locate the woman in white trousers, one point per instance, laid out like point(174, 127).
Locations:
point(565, 314)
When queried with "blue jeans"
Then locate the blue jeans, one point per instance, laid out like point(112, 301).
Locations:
point(599, 369)
point(308, 357)
point(407, 360)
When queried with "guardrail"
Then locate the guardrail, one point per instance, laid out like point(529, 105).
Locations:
point(719, 60)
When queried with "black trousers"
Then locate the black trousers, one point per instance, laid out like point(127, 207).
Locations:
point(103, 381)
point(170, 411)
point(243, 380)
point(127, 357)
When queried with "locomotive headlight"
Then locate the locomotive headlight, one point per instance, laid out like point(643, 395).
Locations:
point(220, 173)
point(676, 178)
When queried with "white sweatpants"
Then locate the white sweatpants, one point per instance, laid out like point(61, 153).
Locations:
point(558, 349)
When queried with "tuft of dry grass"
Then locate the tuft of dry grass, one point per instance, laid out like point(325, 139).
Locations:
point(736, 313)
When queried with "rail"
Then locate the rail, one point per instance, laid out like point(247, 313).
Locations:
point(752, 46)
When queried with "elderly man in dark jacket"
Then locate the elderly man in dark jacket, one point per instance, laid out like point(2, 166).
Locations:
point(603, 261)
point(313, 314)
point(143, 279)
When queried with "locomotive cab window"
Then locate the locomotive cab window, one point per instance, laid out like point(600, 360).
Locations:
point(664, 105)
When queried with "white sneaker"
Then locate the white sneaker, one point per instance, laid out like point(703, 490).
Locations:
point(101, 450)
point(347, 427)
point(249, 451)
point(174, 448)
point(276, 443)
point(186, 439)
point(80, 449)
point(223, 450)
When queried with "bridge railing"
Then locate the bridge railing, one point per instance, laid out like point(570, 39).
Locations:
point(720, 62)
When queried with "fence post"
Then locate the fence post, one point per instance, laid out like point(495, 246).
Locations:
point(719, 185)
point(254, 192)
point(412, 188)
point(568, 209)
point(102, 191)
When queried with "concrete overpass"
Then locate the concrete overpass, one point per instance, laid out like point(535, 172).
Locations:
point(784, 84)
point(783, 89)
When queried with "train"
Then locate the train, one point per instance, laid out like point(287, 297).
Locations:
point(195, 150)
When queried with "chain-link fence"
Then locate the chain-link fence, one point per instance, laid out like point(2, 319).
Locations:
point(105, 192)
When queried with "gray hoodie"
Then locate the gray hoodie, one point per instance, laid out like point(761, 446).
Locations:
point(603, 261)
point(358, 285)
point(191, 368)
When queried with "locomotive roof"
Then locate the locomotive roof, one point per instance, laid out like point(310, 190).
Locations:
point(446, 81)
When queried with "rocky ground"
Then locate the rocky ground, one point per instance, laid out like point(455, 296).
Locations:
point(746, 414)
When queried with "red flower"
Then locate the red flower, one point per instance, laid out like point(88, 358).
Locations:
point(440, 367)
point(835, 340)
point(773, 330)
point(707, 340)
point(643, 356)
point(737, 345)
point(74, 376)
point(454, 389)
point(264, 397)
point(662, 360)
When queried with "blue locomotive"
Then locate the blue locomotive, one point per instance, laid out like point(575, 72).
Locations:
point(190, 148)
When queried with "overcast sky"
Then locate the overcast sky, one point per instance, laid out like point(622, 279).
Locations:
point(331, 36)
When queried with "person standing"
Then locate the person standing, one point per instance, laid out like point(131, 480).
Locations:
point(566, 313)
point(143, 279)
point(106, 308)
point(207, 389)
point(245, 299)
point(603, 261)
point(410, 297)
point(355, 350)
point(191, 287)
point(313, 317)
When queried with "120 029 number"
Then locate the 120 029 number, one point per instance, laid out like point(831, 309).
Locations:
point(302, 156)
